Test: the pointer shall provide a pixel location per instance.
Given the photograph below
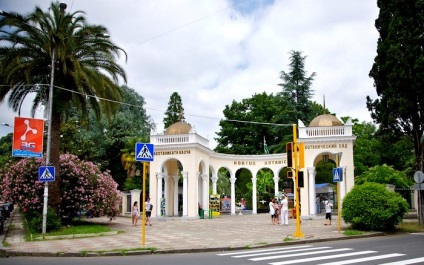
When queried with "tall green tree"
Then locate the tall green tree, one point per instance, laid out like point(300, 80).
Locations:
point(398, 71)
point(242, 131)
point(297, 86)
point(85, 70)
point(102, 143)
point(368, 147)
point(175, 111)
point(5, 148)
point(384, 174)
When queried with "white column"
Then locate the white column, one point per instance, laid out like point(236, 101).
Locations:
point(233, 193)
point(124, 203)
point(343, 186)
point(276, 184)
point(185, 192)
point(198, 182)
point(156, 207)
point(254, 199)
point(165, 195)
point(214, 180)
point(176, 178)
point(312, 193)
point(205, 193)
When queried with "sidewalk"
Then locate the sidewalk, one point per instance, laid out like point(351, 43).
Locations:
point(170, 235)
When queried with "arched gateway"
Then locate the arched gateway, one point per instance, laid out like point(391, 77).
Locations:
point(181, 150)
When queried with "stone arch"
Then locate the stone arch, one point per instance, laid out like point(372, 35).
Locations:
point(169, 187)
point(202, 185)
point(240, 190)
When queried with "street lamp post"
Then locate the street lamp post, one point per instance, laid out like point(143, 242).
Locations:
point(49, 140)
point(6, 124)
point(62, 7)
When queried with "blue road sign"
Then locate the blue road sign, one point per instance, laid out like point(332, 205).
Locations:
point(337, 174)
point(46, 173)
point(144, 152)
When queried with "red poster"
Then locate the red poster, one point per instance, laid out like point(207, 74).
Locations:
point(28, 137)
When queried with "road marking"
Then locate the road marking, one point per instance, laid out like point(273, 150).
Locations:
point(261, 250)
point(300, 254)
point(363, 259)
point(278, 252)
point(323, 257)
point(405, 262)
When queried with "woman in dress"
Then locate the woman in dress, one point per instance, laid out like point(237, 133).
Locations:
point(135, 213)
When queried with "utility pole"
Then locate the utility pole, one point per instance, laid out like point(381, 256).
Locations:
point(296, 165)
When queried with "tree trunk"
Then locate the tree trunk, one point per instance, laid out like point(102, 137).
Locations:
point(55, 194)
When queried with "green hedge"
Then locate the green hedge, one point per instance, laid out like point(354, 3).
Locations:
point(371, 207)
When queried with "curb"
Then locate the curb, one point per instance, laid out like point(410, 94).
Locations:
point(4, 253)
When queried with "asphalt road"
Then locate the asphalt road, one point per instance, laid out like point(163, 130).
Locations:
point(390, 250)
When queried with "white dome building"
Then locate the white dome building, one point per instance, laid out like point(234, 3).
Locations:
point(184, 167)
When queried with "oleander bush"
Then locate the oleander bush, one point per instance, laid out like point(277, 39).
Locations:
point(83, 187)
point(372, 207)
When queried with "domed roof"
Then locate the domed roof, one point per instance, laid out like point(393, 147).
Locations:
point(325, 120)
point(180, 127)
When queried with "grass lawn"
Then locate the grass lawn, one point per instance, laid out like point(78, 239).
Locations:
point(76, 227)
point(410, 227)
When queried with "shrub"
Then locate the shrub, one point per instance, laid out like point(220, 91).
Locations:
point(83, 186)
point(35, 221)
point(372, 207)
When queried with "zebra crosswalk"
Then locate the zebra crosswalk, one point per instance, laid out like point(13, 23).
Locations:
point(320, 255)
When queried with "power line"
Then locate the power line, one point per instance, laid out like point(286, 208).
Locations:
point(184, 25)
point(191, 115)
point(163, 111)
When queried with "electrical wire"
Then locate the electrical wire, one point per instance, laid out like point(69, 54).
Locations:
point(190, 115)
point(160, 110)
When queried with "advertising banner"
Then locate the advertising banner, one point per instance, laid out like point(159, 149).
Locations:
point(28, 137)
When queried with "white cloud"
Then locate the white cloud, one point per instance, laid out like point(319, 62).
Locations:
point(211, 54)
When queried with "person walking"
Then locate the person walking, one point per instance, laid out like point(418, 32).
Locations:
point(149, 208)
point(243, 204)
point(277, 206)
point(135, 213)
point(272, 211)
point(328, 209)
point(284, 211)
point(318, 203)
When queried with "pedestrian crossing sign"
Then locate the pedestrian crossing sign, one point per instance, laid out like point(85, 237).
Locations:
point(337, 174)
point(46, 173)
point(144, 152)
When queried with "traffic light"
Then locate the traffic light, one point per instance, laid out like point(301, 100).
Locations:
point(301, 154)
point(290, 173)
point(289, 150)
point(300, 182)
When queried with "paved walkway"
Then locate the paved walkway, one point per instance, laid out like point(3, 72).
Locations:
point(173, 235)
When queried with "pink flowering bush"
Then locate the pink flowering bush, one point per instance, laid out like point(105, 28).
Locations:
point(106, 197)
point(19, 184)
point(83, 186)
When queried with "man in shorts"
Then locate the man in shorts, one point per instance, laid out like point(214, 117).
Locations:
point(328, 209)
point(149, 207)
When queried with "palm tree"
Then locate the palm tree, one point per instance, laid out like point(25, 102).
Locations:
point(85, 68)
point(128, 154)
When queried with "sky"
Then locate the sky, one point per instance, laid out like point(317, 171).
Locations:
point(214, 52)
